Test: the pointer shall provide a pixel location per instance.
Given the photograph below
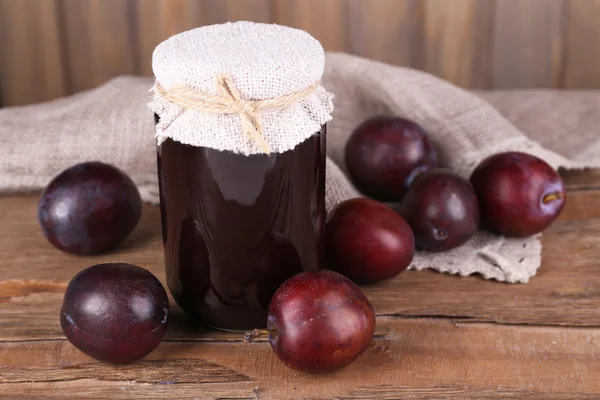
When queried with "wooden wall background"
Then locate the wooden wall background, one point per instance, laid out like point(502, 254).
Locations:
point(50, 48)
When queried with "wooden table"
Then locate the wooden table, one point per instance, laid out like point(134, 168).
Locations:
point(438, 336)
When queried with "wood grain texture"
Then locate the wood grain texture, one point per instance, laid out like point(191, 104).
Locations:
point(418, 359)
point(156, 20)
point(528, 44)
point(389, 392)
point(325, 20)
point(31, 52)
point(454, 28)
point(99, 41)
point(583, 44)
point(249, 10)
point(387, 30)
point(53, 47)
point(145, 371)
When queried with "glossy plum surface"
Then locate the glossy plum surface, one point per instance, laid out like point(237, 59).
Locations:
point(442, 210)
point(115, 312)
point(519, 194)
point(384, 155)
point(367, 241)
point(321, 321)
point(89, 208)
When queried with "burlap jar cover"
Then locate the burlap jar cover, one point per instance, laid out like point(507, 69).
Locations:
point(112, 123)
point(241, 87)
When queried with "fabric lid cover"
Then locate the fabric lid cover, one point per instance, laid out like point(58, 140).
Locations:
point(264, 61)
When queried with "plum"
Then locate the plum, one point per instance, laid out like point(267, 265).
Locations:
point(115, 312)
point(519, 194)
point(318, 322)
point(89, 208)
point(442, 210)
point(367, 241)
point(384, 155)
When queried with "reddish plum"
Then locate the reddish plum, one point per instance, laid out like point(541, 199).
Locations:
point(519, 194)
point(115, 312)
point(442, 210)
point(367, 241)
point(319, 321)
point(89, 208)
point(384, 155)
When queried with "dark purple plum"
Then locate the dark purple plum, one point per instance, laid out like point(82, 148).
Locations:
point(89, 208)
point(519, 194)
point(385, 154)
point(319, 322)
point(442, 210)
point(367, 241)
point(115, 312)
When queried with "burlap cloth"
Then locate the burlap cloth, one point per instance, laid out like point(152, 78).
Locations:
point(112, 123)
point(203, 73)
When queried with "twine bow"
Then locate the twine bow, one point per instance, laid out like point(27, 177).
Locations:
point(229, 101)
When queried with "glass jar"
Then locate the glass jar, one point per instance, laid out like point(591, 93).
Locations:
point(240, 125)
point(235, 226)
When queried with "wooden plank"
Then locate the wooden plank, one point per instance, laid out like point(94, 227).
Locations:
point(418, 359)
point(587, 179)
point(208, 12)
point(31, 52)
point(392, 392)
point(156, 20)
point(458, 41)
point(145, 371)
point(528, 45)
point(325, 20)
point(387, 30)
point(48, 46)
point(33, 276)
point(583, 45)
point(99, 41)
point(248, 10)
point(92, 389)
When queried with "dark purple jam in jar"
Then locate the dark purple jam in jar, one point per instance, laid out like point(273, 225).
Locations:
point(236, 226)
point(241, 117)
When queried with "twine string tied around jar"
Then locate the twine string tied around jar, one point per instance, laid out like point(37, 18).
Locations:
point(229, 101)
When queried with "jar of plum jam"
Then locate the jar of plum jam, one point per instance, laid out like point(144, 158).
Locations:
point(241, 130)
